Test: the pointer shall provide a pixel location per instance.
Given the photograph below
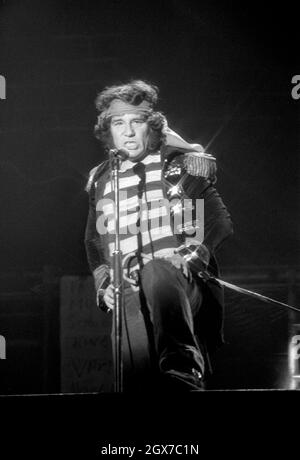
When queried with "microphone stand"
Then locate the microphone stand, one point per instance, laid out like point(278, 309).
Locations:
point(116, 156)
point(207, 277)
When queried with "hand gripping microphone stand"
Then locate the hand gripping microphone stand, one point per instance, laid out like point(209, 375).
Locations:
point(116, 156)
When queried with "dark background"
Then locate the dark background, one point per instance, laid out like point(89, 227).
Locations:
point(224, 71)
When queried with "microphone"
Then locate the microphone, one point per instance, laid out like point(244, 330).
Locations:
point(121, 154)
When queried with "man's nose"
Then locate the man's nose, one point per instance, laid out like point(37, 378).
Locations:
point(129, 131)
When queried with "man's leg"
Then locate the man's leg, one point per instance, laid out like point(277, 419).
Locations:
point(138, 370)
point(173, 302)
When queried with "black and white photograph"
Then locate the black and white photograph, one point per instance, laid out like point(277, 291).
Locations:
point(149, 231)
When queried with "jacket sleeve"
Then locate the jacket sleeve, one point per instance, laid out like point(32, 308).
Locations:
point(95, 244)
point(217, 220)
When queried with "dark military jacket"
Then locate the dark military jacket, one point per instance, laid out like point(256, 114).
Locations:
point(217, 227)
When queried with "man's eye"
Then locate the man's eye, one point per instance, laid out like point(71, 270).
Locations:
point(117, 123)
point(139, 122)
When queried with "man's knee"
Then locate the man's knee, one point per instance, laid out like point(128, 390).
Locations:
point(155, 272)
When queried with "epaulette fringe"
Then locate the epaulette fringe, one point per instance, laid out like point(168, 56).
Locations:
point(92, 174)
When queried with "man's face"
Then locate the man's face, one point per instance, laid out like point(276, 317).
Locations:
point(130, 132)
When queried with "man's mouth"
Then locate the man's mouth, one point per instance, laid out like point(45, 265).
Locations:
point(130, 145)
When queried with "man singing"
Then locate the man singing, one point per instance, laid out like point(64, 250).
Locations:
point(172, 318)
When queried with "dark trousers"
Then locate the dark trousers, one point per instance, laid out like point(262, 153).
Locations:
point(158, 330)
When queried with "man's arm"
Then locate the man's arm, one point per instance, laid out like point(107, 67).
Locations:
point(217, 221)
point(217, 224)
point(198, 183)
point(94, 245)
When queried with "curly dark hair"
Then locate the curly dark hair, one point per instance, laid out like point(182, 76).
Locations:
point(133, 92)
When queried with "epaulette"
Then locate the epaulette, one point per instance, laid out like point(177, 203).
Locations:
point(200, 164)
point(197, 164)
point(92, 175)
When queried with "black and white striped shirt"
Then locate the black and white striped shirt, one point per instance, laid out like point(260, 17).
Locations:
point(144, 216)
